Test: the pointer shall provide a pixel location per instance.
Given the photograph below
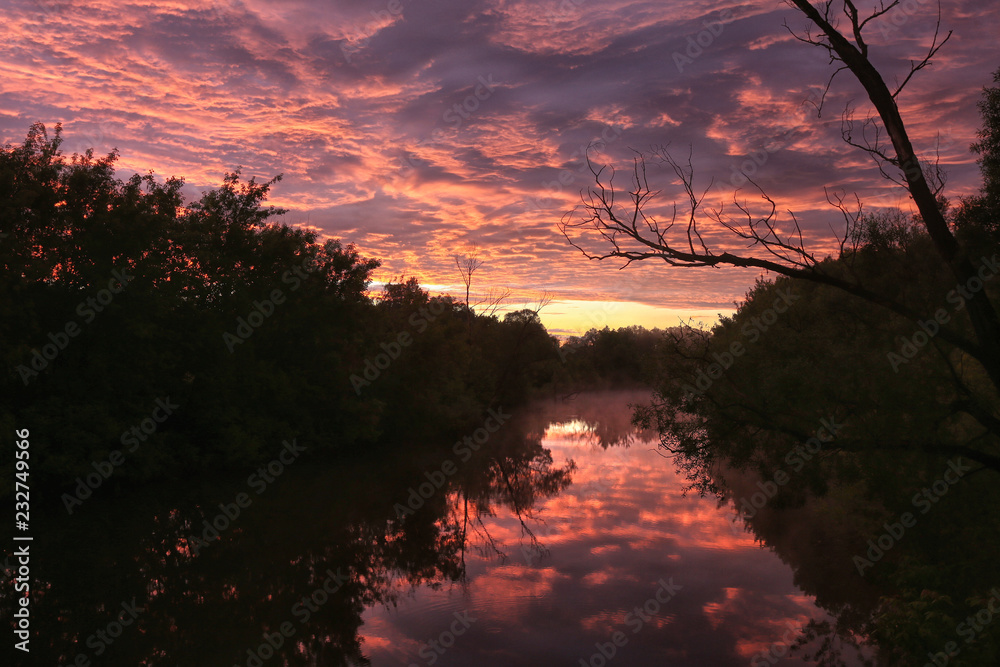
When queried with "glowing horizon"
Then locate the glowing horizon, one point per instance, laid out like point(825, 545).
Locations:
point(419, 132)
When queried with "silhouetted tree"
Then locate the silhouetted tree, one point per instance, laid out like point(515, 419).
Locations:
point(633, 235)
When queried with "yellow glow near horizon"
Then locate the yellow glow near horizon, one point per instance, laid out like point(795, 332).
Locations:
point(571, 317)
point(575, 318)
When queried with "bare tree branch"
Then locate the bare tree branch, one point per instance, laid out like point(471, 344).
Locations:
point(916, 66)
point(633, 234)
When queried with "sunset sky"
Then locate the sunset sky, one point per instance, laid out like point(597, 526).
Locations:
point(421, 129)
point(608, 539)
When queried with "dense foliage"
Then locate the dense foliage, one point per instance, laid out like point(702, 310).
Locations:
point(196, 336)
point(613, 357)
point(845, 412)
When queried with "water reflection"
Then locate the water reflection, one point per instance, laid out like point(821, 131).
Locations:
point(234, 572)
point(565, 528)
point(604, 545)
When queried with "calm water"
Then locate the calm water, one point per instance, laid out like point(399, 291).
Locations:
point(606, 543)
point(564, 536)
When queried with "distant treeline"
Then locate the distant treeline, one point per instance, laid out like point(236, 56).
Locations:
point(612, 358)
point(168, 336)
point(851, 415)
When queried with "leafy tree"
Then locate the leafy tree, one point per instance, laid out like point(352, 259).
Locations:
point(117, 295)
point(860, 410)
point(977, 219)
point(633, 235)
point(622, 357)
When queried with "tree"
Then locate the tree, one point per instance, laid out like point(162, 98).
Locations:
point(634, 235)
point(977, 219)
point(494, 298)
point(988, 146)
point(116, 294)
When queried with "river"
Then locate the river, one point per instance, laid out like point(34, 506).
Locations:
point(562, 537)
point(620, 550)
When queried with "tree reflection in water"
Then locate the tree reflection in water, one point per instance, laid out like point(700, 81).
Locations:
point(266, 571)
point(910, 601)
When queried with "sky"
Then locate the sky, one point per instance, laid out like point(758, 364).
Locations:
point(422, 130)
point(609, 539)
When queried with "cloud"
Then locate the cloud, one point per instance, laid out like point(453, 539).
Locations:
point(612, 535)
point(377, 114)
